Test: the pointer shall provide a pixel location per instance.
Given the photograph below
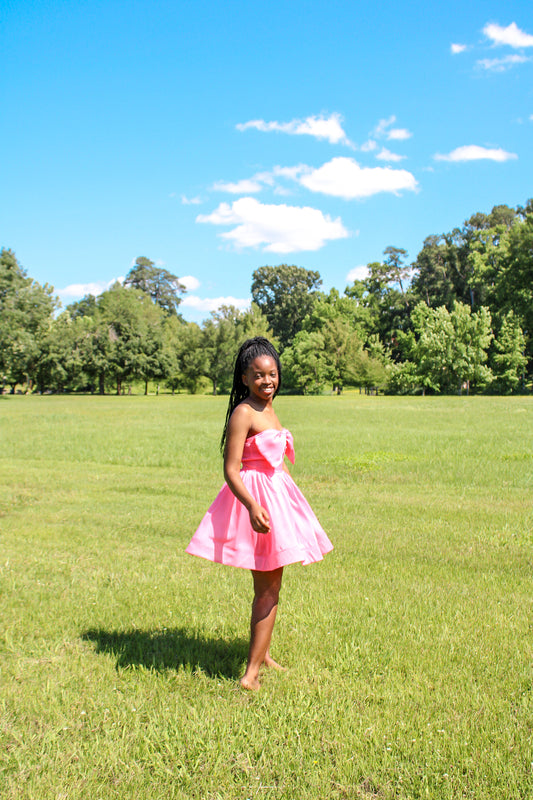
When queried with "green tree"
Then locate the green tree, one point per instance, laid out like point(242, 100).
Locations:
point(86, 307)
point(285, 296)
point(221, 342)
point(386, 297)
point(153, 362)
point(26, 310)
point(432, 283)
point(252, 322)
point(398, 272)
point(186, 354)
point(513, 289)
point(127, 317)
point(161, 285)
point(509, 360)
point(305, 364)
point(461, 265)
point(93, 346)
point(59, 365)
point(450, 348)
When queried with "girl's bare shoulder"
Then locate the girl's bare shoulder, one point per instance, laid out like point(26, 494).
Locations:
point(241, 418)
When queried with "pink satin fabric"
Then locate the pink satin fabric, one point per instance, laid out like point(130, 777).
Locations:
point(225, 534)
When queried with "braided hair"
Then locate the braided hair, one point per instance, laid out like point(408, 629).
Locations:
point(251, 349)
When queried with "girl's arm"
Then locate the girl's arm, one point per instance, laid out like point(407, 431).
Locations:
point(238, 429)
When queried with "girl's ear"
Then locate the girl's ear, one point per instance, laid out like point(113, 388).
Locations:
point(244, 380)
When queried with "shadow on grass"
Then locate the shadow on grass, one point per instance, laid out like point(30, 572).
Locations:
point(171, 649)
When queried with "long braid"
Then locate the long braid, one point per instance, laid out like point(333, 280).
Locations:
point(249, 350)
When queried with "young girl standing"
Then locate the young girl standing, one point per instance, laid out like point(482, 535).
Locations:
point(259, 520)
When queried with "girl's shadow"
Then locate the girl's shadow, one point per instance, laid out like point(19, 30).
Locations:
point(171, 649)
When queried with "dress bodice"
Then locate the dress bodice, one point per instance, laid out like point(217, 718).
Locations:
point(267, 449)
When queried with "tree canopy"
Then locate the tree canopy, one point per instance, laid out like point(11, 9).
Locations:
point(285, 295)
point(161, 285)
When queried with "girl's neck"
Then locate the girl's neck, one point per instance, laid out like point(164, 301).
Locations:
point(258, 404)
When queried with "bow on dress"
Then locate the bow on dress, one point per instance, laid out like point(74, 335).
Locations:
point(274, 445)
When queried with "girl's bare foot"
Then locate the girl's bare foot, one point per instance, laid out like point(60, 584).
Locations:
point(269, 662)
point(250, 685)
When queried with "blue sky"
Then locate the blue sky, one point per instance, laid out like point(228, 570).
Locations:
point(217, 137)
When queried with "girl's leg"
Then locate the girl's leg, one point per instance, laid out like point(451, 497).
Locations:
point(264, 607)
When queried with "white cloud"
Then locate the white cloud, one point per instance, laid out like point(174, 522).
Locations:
point(398, 134)
point(386, 155)
point(190, 201)
point(190, 282)
point(79, 290)
point(367, 147)
point(501, 64)
point(329, 128)
point(214, 303)
point(278, 228)
point(245, 186)
point(382, 130)
point(261, 179)
point(511, 35)
point(474, 152)
point(458, 48)
point(343, 177)
point(357, 273)
point(290, 172)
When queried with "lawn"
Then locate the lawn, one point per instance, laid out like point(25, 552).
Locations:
point(409, 648)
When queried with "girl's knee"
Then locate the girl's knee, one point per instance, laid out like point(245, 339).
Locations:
point(268, 584)
point(267, 594)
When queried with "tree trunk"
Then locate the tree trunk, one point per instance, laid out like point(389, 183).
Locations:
point(101, 383)
point(145, 388)
point(119, 386)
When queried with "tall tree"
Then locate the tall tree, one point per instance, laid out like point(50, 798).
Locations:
point(186, 354)
point(221, 341)
point(509, 360)
point(26, 310)
point(513, 290)
point(343, 325)
point(163, 287)
point(450, 349)
point(128, 317)
point(385, 296)
point(398, 272)
point(305, 363)
point(285, 295)
point(461, 265)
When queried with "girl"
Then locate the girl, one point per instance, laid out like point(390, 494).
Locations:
point(260, 520)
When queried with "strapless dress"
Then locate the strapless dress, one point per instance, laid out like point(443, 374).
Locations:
point(225, 534)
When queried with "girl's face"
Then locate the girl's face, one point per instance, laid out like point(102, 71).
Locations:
point(261, 378)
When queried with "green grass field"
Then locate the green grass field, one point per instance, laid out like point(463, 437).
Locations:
point(410, 647)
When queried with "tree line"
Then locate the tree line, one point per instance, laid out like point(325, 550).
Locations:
point(458, 318)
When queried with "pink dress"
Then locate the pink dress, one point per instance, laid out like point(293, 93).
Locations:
point(225, 534)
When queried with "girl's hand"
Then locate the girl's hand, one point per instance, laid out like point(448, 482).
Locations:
point(259, 519)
